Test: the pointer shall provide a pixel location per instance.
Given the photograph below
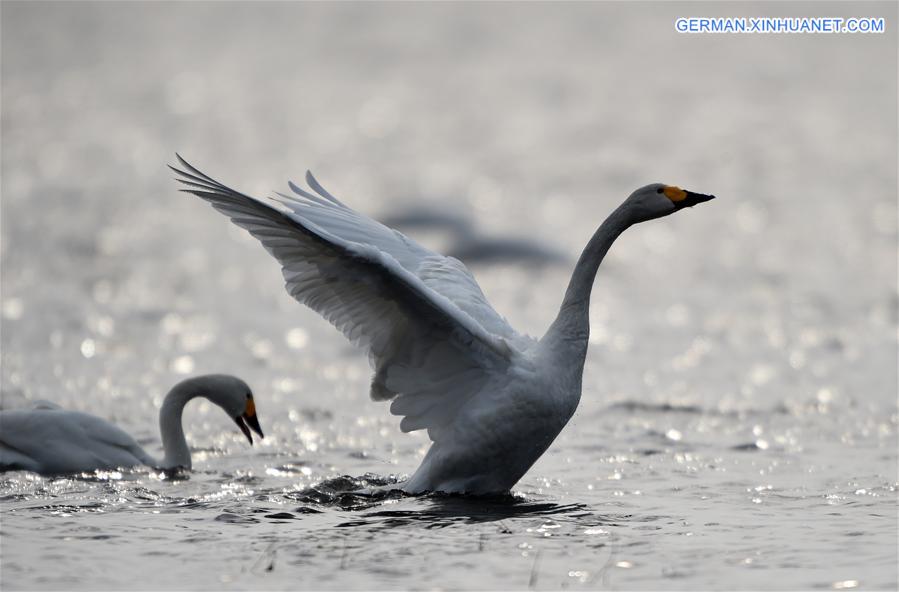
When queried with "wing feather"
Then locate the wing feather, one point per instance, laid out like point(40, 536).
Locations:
point(432, 337)
point(410, 330)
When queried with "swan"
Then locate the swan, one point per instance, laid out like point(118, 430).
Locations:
point(50, 440)
point(491, 399)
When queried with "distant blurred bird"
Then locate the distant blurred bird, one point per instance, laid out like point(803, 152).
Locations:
point(492, 400)
point(50, 440)
point(468, 244)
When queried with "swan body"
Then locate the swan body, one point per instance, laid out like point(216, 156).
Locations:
point(491, 399)
point(50, 440)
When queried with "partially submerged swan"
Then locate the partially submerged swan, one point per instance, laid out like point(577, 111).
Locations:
point(491, 399)
point(50, 440)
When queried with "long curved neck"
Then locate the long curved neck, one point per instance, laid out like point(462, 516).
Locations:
point(569, 333)
point(177, 454)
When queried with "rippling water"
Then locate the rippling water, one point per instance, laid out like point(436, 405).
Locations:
point(738, 427)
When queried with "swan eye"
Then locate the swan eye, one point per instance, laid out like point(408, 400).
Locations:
point(659, 190)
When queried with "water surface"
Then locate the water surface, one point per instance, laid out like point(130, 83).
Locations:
point(738, 427)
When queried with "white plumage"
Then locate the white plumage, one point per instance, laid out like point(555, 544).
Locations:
point(491, 399)
point(54, 441)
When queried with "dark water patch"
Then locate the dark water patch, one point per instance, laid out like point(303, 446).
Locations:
point(350, 493)
point(748, 447)
point(648, 451)
point(369, 493)
point(95, 507)
point(232, 518)
point(282, 516)
point(88, 537)
point(442, 510)
point(663, 408)
point(307, 510)
point(618, 520)
point(642, 406)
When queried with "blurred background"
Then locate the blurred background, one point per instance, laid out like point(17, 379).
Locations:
point(766, 319)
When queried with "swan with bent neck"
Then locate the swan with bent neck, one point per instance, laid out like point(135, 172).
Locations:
point(491, 399)
point(53, 441)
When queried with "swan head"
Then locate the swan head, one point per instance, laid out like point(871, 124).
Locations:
point(231, 394)
point(657, 200)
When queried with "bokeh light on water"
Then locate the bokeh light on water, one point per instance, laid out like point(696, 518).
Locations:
point(738, 426)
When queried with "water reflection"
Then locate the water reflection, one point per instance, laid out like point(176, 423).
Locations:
point(442, 510)
point(433, 510)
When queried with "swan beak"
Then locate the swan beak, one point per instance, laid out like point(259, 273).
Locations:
point(247, 420)
point(241, 422)
point(692, 199)
point(254, 424)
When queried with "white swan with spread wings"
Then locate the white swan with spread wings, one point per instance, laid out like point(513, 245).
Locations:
point(492, 400)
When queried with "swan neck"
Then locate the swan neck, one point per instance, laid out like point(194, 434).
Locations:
point(174, 444)
point(572, 325)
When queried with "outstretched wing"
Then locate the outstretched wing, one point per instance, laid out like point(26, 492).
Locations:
point(426, 325)
point(445, 275)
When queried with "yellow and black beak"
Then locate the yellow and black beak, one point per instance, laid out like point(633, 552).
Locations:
point(683, 198)
point(247, 420)
point(692, 199)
